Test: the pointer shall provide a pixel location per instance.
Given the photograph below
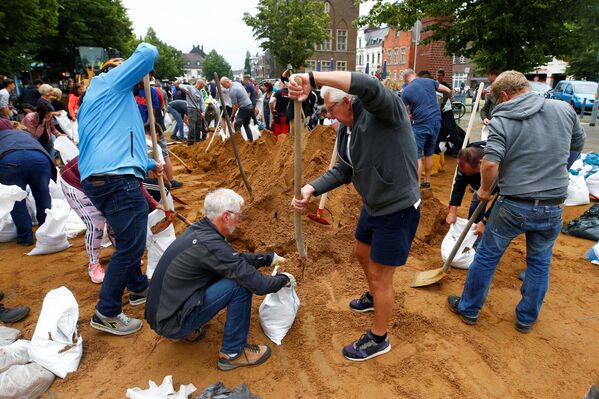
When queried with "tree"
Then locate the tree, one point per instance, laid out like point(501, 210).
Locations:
point(169, 63)
point(583, 63)
point(505, 34)
point(98, 23)
point(23, 26)
point(291, 29)
point(214, 62)
point(247, 67)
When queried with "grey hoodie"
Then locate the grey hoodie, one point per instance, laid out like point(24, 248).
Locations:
point(531, 137)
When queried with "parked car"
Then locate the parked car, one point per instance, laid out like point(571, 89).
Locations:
point(540, 88)
point(575, 92)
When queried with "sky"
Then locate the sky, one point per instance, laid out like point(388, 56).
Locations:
point(214, 24)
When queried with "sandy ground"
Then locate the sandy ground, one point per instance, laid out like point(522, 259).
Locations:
point(434, 354)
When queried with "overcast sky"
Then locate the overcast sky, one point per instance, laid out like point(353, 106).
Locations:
point(214, 24)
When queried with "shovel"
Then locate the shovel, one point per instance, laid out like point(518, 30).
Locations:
point(323, 198)
point(428, 277)
point(297, 178)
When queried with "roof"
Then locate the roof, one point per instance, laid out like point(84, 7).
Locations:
point(375, 37)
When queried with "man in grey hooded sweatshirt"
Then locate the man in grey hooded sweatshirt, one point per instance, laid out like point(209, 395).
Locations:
point(530, 139)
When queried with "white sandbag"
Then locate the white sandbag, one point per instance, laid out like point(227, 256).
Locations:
point(13, 354)
point(8, 196)
point(484, 133)
point(55, 188)
point(465, 254)
point(56, 345)
point(578, 192)
point(255, 132)
point(51, 237)
point(164, 391)
point(593, 184)
point(277, 312)
point(65, 124)
point(26, 381)
point(8, 335)
point(157, 243)
point(75, 225)
point(75, 131)
point(8, 230)
point(593, 254)
point(169, 122)
point(67, 149)
point(30, 202)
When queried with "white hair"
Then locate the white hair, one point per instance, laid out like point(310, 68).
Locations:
point(44, 89)
point(220, 201)
point(336, 95)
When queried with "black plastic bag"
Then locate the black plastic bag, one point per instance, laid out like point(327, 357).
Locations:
point(586, 225)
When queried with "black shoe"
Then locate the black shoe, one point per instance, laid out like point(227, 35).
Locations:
point(452, 302)
point(523, 328)
point(425, 184)
point(12, 315)
point(138, 298)
point(175, 184)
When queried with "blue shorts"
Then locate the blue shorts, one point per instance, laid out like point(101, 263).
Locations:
point(426, 138)
point(390, 236)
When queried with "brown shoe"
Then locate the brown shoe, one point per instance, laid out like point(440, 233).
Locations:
point(252, 355)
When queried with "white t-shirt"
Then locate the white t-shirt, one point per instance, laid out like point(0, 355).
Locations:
point(4, 96)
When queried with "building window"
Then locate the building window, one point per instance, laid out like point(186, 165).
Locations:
point(459, 78)
point(397, 32)
point(402, 57)
point(310, 65)
point(360, 59)
point(395, 55)
point(360, 43)
point(462, 59)
point(325, 65)
point(341, 66)
point(368, 58)
point(341, 40)
point(327, 7)
point(378, 58)
point(453, 59)
point(327, 44)
point(389, 56)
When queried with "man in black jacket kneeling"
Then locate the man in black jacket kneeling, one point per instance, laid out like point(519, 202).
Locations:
point(200, 274)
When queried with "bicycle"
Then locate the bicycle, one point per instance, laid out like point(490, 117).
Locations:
point(459, 110)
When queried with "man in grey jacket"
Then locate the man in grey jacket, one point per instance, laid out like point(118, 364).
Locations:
point(377, 153)
point(195, 111)
point(530, 139)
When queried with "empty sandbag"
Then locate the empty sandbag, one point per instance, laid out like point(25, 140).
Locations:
point(25, 381)
point(13, 354)
point(8, 335)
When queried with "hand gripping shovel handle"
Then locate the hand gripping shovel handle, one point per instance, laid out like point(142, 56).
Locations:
point(460, 240)
point(297, 180)
point(152, 123)
point(228, 120)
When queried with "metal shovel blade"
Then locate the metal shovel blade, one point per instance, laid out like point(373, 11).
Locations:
point(427, 277)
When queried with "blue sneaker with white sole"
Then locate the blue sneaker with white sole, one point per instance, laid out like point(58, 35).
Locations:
point(366, 348)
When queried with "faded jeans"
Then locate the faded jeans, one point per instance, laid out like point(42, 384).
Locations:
point(509, 219)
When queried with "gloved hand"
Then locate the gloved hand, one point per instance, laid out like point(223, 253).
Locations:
point(292, 282)
point(277, 260)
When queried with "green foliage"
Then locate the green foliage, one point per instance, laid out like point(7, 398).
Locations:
point(170, 60)
point(247, 67)
point(583, 63)
point(23, 25)
point(98, 23)
point(290, 29)
point(505, 34)
point(214, 62)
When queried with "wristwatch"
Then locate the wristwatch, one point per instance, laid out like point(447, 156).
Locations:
point(312, 81)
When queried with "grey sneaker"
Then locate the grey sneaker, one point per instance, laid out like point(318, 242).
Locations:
point(118, 325)
point(138, 298)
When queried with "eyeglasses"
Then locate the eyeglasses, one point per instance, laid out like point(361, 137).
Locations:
point(238, 214)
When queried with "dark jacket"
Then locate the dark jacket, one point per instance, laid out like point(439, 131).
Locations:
point(463, 180)
point(384, 167)
point(198, 258)
point(30, 95)
point(486, 112)
point(14, 140)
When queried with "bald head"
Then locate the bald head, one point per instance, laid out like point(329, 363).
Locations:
point(225, 82)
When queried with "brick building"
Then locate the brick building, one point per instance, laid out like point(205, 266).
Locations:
point(398, 52)
point(340, 48)
point(432, 56)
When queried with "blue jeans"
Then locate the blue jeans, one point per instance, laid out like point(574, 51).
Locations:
point(22, 168)
point(541, 225)
point(179, 120)
point(120, 199)
point(238, 301)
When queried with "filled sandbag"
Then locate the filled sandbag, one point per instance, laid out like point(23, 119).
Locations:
point(67, 149)
point(13, 354)
point(8, 230)
point(25, 381)
point(277, 312)
point(586, 225)
point(465, 254)
point(65, 124)
point(8, 196)
point(8, 335)
point(157, 243)
point(162, 391)
point(578, 192)
point(56, 345)
point(51, 237)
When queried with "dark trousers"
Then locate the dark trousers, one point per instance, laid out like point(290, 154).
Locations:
point(243, 118)
point(22, 168)
point(120, 199)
